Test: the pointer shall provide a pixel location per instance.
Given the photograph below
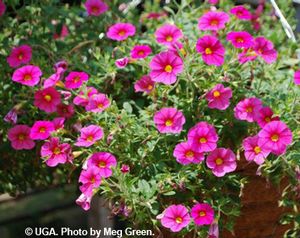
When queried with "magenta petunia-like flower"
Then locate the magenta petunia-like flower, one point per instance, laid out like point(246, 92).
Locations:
point(219, 97)
point(58, 123)
point(247, 55)
point(95, 7)
point(202, 213)
point(203, 137)
point(11, 116)
point(64, 32)
point(175, 217)
point(211, 49)
point(275, 136)
point(47, 99)
point(120, 31)
point(2, 8)
point(213, 21)
point(247, 109)
point(145, 84)
point(90, 180)
point(184, 154)
point(297, 77)
point(54, 78)
point(169, 120)
point(241, 13)
point(76, 79)
point(82, 99)
point(19, 137)
point(265, 49)
point(213, 2)
point(264, 116)
point(104, 161)
point(168, 34)
point(84, 201)
point(165, 66)
point(41, 130)
point(125, 168)
point(240, 39)
point(19, 55)
point(122, 63)
point(177, 48)
point(55, 152)
point(27, 75)
point(140, 51)
point(221, 161)
point(98, 103)
point(253, 152)
point(89, 135)
point(65, 110)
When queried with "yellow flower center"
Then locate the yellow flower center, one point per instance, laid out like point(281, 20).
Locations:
point(95, 9)
point(93, 180)
point(169, 38)
point(257, 149)
point(189, 154)
point(21, 137)
point(141, 53)
point(202, 213)
point(214, 22)
point(56, 151)
point(202, 140)
point(150, 87)
point(240, 40)
point(100, 105)
point(76, 79)
point(42, 130)
point(90, 138)
point(219, 161)
point(27, 77)
point(249, 109)
point(267, 119)
point(102, 164)
point(47, 98)
point(178, 220)
point(121, 33)
point(168, 68)
point(208, 51)
point(216, 94)
point(275, 137)
point(169, 122)
point(20, 57)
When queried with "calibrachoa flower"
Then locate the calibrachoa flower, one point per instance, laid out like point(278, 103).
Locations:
point(98, 103)
point(203, 214)
point(264, 116)
point(55, 153)
point(58, 123)
point(247, 109)
point(104, 161)
point(11, 116)
point(253, 152)
point(175, 217)
point(89, 135)
point(184, 154)
point(84, 96)
point(19, 137)
point(2, 8)
point(213, 2)
point(219, 97)
point(265, 49)
point(247, 55)
point(241, 13)
point(125, 168)
point(203, 137)
point(165, 67)
point(47, 99)
point(41, 130)
point(61, 64)
point(297, 77)
point(27, 75)
point(140, 51)
point(177, 46)
point(19, 55)
point(168, 34)
point(65, 110)
point(221, 161)
point(211, 49)
point(95, 7)
point(275, 136)
point(120, 31)
point(145, 84)
point(84, 201)
point(64, 32)
point(213, 231)
point(90, 180)
point(169, 120)
point(213, 21)
point(240, 39)
point(121, 63)
point(54, 78)
point(76, 79)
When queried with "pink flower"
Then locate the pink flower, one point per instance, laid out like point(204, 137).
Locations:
point(84, 201)
point(264, 116)
point(219, 97)
point(253, 152)
point(54, 78)
point(247, 55)
point(241, 13)
point(11, 116)
point(122, 63)
point(175, 217)
point(213, 231)
point(120, 31)
point(165, 67)
point(58, 123)
point(247, 109)
point(89, 135)
point(213, 21)
point(41, 130)
point(240, 39)
point(140, 51)
point(168, 34)
point(61, 64)
point(213, 2)
point(27, 75)
point(84, 96)
point(156, 15)
point(297, 77)
point(19, 137)
point(90, 180)
point(265, 49)
point(95, 7)
point(184, 154)
point(145, 84)
point(202, 213)
point(47, 99)
point(62, 34)
point(19, 55)
point(104, 161)
point(76, 79)
point(275, 136)
point(221, 161)
point(55, 153)
point(2, 8)
point(176, 48)
point(65, 110)
point(169, 120)
point(125, 168)
point(98, 103)
point(203, 137)
point(211, 49)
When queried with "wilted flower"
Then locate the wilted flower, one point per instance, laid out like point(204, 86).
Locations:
point(11, 116)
